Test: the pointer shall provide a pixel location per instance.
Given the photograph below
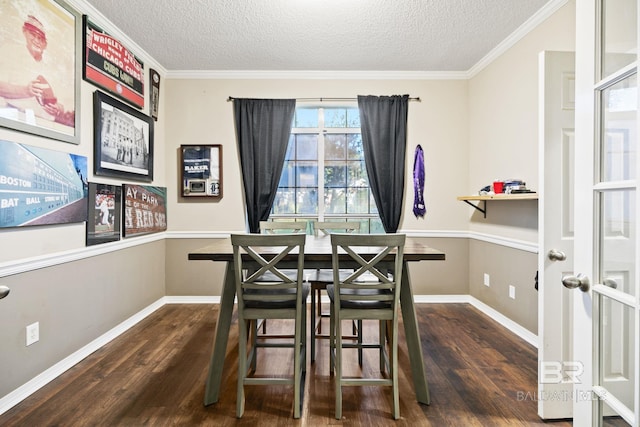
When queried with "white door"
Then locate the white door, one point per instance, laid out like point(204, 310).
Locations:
point(556, 230)
point(606, 304)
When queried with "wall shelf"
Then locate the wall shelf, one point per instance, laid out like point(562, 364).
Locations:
point(484, 198)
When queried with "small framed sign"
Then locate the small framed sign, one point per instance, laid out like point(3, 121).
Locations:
point(109, 65)
point(201, 170)
point(145, 209)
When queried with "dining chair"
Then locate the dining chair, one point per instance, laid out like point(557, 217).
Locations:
point(279, 227)
point(372, 291)
point(276, 227)
point(319, 281)
point(281, 297)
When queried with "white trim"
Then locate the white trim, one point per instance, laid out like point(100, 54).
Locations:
point(512, 326)
point(190, 299)
point(520, 331)
point(39, 381)
point(522, 245)
point(24, 265)
point(99, 19)
point(315, 75)
point(524, 29)
point(200, 234)
point(18, 395)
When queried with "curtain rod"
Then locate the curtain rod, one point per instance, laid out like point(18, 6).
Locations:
point(417, 99)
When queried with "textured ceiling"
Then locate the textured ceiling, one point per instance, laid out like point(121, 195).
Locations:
point(318, 35)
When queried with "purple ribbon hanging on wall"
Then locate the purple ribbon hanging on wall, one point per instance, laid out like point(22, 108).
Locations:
point(418, 183)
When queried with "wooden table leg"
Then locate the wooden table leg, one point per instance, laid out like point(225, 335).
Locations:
point(412, 334)
point(216, 366)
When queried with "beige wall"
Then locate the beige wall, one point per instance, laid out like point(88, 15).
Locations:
point(503, 124)
point(200, 114)
point(74, 303)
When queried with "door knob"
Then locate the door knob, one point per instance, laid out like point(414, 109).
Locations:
point(4, 291)
point(556, 255)
point(610, 283)
point(578, 281)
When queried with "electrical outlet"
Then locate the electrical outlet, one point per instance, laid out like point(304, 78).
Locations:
point(512, 292)
point(33, 333)
point(486, 280)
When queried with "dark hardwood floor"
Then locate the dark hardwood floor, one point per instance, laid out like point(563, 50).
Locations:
point(479, 374)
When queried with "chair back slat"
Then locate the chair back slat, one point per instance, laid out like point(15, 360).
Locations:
point(278, 227)
point(378, 273)
point(324, 228)
point(280, 286)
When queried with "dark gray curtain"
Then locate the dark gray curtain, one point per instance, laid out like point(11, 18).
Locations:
point(263, 127)
point(383, 122)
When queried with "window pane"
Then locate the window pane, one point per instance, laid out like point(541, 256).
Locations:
point(334, 201)
point(617, 239)
point(335, 174)
point(307, 201)
point(356, 152)
point(335, 147)
point(291, 148)
point(306, 147)
point(284, 202)
point(357, 174)
point(376, 226)
point(307, 174)
point(373, 208)
point(335, 117)
point(619, 38)
point(618, 139)
point(358, 201)
point(353, 118)
point(306, 118)
point(288, 175)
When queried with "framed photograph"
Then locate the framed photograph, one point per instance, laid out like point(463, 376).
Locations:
point(123, 140)
point(105, 210)
point(145, 209)
point(40, 75)
point(201, 167)
point(39, 186)
point(111, 66)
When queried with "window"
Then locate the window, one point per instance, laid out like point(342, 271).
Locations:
point(326, 139)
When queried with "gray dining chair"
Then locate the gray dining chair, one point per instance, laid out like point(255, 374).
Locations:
point(276, 227)
point(279, 227)
point(319, 280)
point(280, 297)
point(372, 291)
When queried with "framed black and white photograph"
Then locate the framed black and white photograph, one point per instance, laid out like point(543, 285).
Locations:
point(41, 72)
point(105, 210)
point(123, 140)
point(201, 171)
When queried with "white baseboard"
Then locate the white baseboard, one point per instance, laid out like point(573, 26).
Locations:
point(18, 395)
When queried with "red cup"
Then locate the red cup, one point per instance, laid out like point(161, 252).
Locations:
point(498, 187)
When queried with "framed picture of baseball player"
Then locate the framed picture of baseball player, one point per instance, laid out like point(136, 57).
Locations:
point(41, 68)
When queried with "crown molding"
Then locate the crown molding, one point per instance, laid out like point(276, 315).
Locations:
point(315, 75)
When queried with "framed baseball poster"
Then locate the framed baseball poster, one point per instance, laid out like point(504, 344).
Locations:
point(111, 66)
point(41, 68)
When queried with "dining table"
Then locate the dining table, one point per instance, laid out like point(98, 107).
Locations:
point(317, 255)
